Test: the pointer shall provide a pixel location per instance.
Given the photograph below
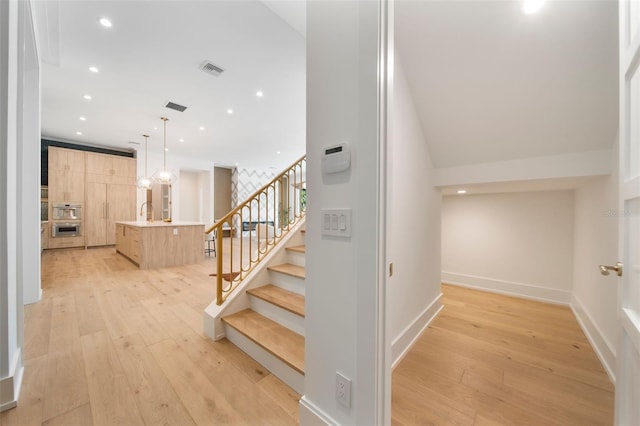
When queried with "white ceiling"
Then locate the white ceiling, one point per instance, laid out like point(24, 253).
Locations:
point(489, 82)
point(152, 55)
point(493, 84)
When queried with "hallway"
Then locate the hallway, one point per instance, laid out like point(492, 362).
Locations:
point(489, 359)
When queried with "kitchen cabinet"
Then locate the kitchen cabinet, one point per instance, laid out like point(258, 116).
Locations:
point(110, 185)
point(66, 176)
point(128, 242)
point(44, 235)
point(111, 169)
point(108, 202)
point(64, 242)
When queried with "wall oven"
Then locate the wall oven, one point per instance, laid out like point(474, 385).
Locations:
point(66, 229)
point(67, 211)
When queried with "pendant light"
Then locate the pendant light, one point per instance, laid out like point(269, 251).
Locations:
point(164, 177)
point(144, 182)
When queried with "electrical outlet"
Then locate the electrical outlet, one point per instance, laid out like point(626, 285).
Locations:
point(175, 231)
point(343, 390)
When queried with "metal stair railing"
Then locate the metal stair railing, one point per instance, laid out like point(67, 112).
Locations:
point(256, 226)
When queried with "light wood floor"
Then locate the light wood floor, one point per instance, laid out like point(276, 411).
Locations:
point(489, 359)
point(110, 344)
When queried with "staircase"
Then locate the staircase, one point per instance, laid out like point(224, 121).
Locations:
point(266, 318)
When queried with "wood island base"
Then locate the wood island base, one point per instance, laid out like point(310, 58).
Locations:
point(153, 245)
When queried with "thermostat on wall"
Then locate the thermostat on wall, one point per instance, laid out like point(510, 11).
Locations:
point(336, 158)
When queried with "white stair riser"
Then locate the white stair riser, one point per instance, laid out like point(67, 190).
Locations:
point(276, 366)
point(296, 257)
point(287, 282)
point(283, 317)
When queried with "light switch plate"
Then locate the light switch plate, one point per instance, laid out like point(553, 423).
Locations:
point(336, 222)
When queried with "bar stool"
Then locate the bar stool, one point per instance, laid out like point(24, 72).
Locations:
point(210, 239)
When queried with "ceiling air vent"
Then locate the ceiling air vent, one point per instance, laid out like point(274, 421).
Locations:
point(177, 107)
point(212, 69)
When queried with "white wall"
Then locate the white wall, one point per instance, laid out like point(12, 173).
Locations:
point(189, 196)
point(550, 167)
point(29, 157)
point(19, 221)
point(176, 164)
point(594, 298)
point(342, 274)
point(413, 234)
point(514, 243)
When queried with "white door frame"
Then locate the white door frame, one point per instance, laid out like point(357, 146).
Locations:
point(627, 407)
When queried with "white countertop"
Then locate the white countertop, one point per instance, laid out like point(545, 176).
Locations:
point(159, 223)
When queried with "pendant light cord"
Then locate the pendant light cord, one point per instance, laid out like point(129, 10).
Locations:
point(164, 155)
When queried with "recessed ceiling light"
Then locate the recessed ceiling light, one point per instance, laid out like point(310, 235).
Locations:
point(462, 191)
point(229, 111)
point(278, 152)
point(237, 164)
point(87, 97)
point(532, 6)
point(166, 149)
point(181, 140)
point(83, 119)
point(105, 22)
point(93, 69)
point(201, 127)
point(79, 133)
point(259, 93)
point(155, 128)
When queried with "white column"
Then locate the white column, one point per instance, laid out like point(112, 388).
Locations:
point(10, 294)
point(345, 285)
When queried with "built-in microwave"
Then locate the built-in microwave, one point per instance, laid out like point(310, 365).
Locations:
point(67, 211)
point(66, 229)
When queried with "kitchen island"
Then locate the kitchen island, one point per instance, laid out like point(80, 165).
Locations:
point(160, 244)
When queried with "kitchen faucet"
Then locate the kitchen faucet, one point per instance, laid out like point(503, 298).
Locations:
point(149, 206)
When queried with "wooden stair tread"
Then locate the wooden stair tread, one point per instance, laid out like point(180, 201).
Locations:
point(281, 342)
point(289, 269)
point(298, 249)
point(288, 300)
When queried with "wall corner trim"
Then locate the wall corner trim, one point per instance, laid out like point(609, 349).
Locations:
point(606, 354)
point(405, 341)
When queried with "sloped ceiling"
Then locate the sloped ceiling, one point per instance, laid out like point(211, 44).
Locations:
point(491, 83)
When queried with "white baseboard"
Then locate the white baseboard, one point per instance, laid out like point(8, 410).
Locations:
point(600, 345)
point(311, 415)
point(401, 345)
point(528, 291)
point(10, 385)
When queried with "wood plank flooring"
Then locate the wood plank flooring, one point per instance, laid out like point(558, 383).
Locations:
point(110, 344)
point(489, 359)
